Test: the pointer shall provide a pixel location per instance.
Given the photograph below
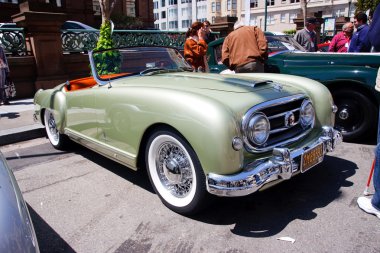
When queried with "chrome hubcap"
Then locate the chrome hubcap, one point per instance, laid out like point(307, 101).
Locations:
point(344, 114)
point(173, 168)
point(52, 127)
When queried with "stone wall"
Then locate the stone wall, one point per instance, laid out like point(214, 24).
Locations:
point(24, 74)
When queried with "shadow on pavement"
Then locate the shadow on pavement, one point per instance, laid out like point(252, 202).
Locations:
point(48, 239)
point(139, 177)
point(267, 213)
point(11, 115)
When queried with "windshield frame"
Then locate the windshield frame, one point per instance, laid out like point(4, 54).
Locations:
point(179, 64)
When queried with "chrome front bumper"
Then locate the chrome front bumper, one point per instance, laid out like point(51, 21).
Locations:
point(281, 165)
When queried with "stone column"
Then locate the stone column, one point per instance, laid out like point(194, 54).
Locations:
point(43, 29)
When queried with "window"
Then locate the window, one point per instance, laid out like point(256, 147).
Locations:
point(213, 7)
point(163, 3)
point(186, 12)
point(172, 2)
point(231, 5)
point(163, 14)
point(270, 2)
point(270, 20)
point(218, 7)
point(282, 18)
point(294, 1)
point(253, 21)
point(185, 1)
point(186, 23)
point(291, 17)
point(202, 11)
point(173, 24)
point(172, 13)
point(253, 3)
point(155, 5)
point(156, 16)
point(163, 26)
point(213, 19)
point(284, 1)
point(157, 26)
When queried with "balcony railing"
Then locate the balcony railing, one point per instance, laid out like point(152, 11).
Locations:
point(13, 41)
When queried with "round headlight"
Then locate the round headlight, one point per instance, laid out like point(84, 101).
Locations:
point(258, 129)
point(307, 114)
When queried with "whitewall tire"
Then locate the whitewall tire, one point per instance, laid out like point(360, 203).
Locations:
point(175, 172)
point(58, 140)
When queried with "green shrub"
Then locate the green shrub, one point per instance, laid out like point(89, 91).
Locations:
point(107, 62)
point(290, 32)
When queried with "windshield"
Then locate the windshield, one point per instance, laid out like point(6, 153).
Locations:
point(279, 43)
point(120, 62)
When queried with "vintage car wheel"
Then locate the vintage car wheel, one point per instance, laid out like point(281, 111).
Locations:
point(58, 140)
point(175, 172)
point(356, 115)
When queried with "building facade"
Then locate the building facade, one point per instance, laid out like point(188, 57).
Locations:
point(179, 14)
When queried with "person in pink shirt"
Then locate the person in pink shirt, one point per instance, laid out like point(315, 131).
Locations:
point(341, 41)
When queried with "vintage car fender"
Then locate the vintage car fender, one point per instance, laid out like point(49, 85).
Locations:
point(42, 101)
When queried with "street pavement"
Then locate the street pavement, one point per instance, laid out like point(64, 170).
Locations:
point(16, 122)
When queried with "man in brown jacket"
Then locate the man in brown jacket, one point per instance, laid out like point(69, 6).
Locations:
point(245, 49)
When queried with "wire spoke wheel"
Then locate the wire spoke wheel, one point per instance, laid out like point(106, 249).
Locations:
point(175, 172)
point(58, 140)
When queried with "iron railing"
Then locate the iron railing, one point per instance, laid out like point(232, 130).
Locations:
point(13, 41)
point(78, 40)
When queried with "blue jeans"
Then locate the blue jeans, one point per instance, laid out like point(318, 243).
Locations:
point(376, 179)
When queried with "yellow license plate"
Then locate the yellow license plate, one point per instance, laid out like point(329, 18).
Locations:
point(312, 157)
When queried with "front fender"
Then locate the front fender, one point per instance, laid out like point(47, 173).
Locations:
point(55, 100)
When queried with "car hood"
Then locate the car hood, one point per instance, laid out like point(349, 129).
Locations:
point(235, 90)
point(201, 82)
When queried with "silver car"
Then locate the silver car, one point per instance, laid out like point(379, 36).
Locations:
point(16, 228)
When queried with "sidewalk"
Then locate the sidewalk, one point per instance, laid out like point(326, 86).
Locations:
point(17, 124)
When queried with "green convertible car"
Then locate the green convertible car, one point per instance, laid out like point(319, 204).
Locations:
point(350, 77)
point(197, 134)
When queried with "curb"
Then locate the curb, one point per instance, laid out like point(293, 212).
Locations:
point(21, 134)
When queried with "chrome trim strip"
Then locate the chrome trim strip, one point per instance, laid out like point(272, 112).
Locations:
point(282, 114)
point(277, 130)
point(281, 165)
point(115, 154)
point(93, 70)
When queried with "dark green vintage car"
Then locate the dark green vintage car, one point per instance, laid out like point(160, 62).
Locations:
point(196, 133)
point(350, 77)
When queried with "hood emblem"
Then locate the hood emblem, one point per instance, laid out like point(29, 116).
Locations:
point(277, 87)
point(290, 119)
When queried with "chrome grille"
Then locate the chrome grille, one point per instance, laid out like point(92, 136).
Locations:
point(281, 133)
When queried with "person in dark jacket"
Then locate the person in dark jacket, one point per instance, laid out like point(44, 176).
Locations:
point(209, 36)
point(359, 41)
point(374, 31)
